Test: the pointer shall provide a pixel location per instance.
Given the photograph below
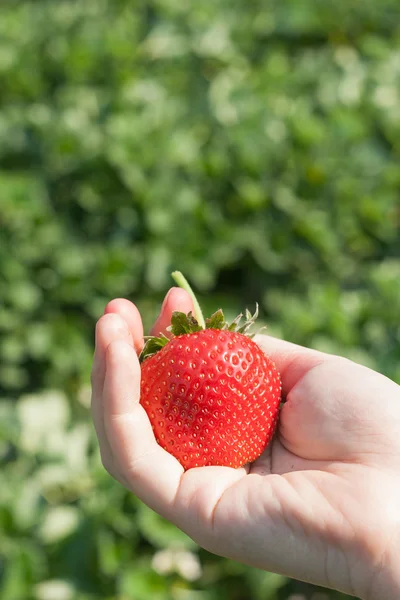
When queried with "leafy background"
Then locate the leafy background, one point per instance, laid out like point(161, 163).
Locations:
point(254, 146)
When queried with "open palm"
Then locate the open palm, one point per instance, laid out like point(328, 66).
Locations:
point(321, 504)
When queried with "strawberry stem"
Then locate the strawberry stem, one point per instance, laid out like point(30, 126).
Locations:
point(180, 279)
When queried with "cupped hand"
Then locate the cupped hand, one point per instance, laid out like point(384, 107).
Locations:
point(322, 504)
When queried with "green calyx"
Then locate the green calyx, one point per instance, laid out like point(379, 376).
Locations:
point(182, 324)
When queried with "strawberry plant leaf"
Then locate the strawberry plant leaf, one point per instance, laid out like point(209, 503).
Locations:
point(249, 322)
point(152, 346)
point(181, 323)
point(216, 321)
point(235, 324)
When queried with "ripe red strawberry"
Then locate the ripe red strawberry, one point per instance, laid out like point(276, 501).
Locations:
point(211, 394)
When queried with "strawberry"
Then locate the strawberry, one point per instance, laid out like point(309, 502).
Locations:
point(211, 394)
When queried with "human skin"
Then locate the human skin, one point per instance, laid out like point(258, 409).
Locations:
point(322, 504)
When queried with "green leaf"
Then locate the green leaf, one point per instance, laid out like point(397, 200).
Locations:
point(182, 324)
point(216, 321)
point(152, 346)
point(250, 320)
point(107, 547)
point(142, 583)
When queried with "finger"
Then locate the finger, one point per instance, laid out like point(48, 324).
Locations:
point(291, 360)
point(128, 311)
point(342, 411)
point(331, 412)
point(153, 474)
point(109, 328)
point(304, 427)
point(176, 300)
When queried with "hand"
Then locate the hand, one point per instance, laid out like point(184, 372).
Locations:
point(321, 504)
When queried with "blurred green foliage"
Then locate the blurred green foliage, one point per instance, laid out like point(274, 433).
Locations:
point(254, 146)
